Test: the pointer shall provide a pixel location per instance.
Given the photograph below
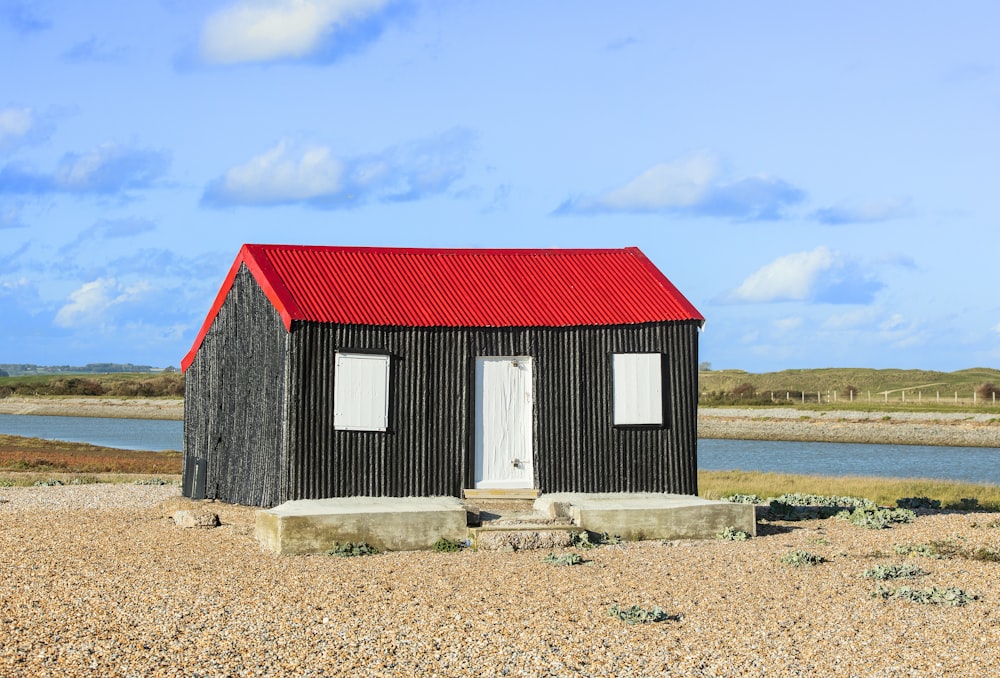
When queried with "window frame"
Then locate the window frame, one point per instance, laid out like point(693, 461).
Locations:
point(625, 365)
point(358, 419)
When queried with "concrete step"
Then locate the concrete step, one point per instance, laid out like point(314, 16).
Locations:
point(522, 536)
point(501, 494)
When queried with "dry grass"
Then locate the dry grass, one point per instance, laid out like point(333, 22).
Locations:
point(34, 455)
point(884, 491)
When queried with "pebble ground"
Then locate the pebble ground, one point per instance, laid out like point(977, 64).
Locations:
point(96, 580)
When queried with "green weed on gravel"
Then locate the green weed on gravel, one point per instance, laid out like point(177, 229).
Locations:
point(800, 558)
point(445, 545)
point(349, 549)
point(564, 559)
point(935, 595)
point(887, 572)
point(925, 550)
point(638, 615)
point(876, 518)
point(732, 534)
point(743, 499)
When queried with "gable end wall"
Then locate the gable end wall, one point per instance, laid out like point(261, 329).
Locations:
point(234, 400)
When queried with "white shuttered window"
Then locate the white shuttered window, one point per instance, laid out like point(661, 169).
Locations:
point(638, 383)
point(361, 392)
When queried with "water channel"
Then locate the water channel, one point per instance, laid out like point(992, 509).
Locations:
point(971, 464)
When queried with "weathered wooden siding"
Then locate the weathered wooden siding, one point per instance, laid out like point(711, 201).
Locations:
point(234, 401)
point(428, 449)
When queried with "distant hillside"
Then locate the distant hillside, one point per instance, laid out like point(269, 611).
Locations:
point(724, 384)
point(17, 370)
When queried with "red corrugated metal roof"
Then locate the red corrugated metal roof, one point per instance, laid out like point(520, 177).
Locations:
point(458, 287)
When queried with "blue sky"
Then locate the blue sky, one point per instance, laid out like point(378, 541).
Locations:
point(818, 178)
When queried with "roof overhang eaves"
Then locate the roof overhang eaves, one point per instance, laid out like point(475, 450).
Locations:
point(265, 276)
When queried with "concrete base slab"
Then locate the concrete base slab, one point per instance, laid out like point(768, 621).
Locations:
point(387, 523)
point(650, 515)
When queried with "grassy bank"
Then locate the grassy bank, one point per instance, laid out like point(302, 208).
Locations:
point(845, 388)
point(53, 459)
point(884, 491)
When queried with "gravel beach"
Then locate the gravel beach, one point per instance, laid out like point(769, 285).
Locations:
point(97, 580)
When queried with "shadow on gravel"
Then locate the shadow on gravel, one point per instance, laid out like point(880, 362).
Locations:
point(766, 529)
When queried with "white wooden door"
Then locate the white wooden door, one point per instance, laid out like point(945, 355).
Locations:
point(504, 423)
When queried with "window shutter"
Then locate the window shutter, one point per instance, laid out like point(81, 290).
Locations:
point(638, 384)
point(361, 392)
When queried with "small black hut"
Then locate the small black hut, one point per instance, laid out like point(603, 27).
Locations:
point(347, 371)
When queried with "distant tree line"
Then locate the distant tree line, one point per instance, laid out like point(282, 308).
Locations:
point(159, 385)
point(16, 369)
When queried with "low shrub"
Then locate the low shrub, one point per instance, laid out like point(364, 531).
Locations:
point(564, 559)
point(638, 615)
point(887, 572)
point(877, 519)
point(801, 558)
point(743, 499)
point(918, 503)
point(925, 550)
point(966, 504)
point(445, 545)
point(800, 499)
point(732, 534)
point(349, 549)
point(935, 595)
point(591, 540)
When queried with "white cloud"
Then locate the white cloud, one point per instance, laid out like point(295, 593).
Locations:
point(283, 175)
point(694, 185)
point(264, 30)
point(667, 185)
point(93, 303)
point(314, 176)
point(790, 277)
point(821, 275)
point(996, 328)
point(15, 125)
point(7, 286)
point(867, 212)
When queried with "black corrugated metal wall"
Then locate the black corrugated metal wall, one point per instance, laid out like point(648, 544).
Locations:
point(234, 397)
point(428, 449)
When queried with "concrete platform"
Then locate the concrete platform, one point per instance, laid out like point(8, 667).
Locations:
point(636, 516)
point(387, 523)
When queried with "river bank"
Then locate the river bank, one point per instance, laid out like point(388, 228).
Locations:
point(960, 429)
point(95, 406)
